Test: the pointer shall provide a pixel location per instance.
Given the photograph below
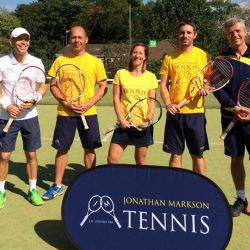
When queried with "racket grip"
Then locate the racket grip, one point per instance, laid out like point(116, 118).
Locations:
point(85, 124)
point(117, 222)
point(8, 124)
point(107, 131)
point(182, 103)
point(226, 131)
point(84, 220)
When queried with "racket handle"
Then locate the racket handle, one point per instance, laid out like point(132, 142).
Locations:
point(84, 220)
point(182, 103)
point(7, 126)
point(107, 131)
point(85, 124)
point(227, 130)
point(117, 222)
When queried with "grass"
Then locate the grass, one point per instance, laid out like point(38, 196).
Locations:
point(27, 227)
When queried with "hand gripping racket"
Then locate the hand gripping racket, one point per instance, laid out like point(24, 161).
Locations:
point(243, 99)
point(143, 113)
point(25, 88)
point(213, 76)
point(71, 82)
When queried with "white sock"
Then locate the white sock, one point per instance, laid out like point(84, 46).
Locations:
point(32, 184)
point(2, 183)
point(241, 194)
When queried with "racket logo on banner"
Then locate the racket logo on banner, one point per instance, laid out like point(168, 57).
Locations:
point(98, 202)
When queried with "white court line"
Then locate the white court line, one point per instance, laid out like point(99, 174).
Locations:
point(156, 142)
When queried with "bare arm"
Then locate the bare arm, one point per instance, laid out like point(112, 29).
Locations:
point(102, 90)
point(164, 91)
point(117, 106)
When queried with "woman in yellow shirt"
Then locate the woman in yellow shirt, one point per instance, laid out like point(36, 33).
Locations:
point(129, 86)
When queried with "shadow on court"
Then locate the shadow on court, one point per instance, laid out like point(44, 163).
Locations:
point(52, 232)
point(45, 174)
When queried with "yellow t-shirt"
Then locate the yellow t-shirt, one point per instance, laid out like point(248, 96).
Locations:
point(182, 68)
point(134, 88)
point(93, 70)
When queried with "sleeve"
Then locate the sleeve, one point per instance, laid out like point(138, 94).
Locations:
point(153, 82)
point(117, 78)
point(40, 65)
point(53, 69)
point(101, 73)
point(165, 66)
point(224, 99)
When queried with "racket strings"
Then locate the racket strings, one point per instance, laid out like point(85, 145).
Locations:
point(26, 85)
point(244, 94)
point(71, 83)
point(137, 115)
point(217, 74)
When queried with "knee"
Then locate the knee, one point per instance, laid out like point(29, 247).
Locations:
point(112, 160)
point(5, 157)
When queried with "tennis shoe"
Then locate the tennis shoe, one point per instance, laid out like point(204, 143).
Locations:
point(35, 198)
point(239, 207)
point(53, 191)
point(2, 199)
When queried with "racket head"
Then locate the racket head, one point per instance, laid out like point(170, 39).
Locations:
point(27, 84)
point(70, 81)
point(243, 96)
point(145, 112)
point(216, 74)
point(194, 86)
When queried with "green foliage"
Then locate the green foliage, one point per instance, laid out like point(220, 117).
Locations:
point(48, 21)
point(154, 66)
point(116, 57)
point(8, 21)
point(107, 21)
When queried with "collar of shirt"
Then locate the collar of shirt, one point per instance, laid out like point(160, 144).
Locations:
point(15, 62)
point(230, 51)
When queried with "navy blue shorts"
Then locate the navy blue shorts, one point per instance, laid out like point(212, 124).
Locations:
point(237, 139)
point(189, 128)
point(133, 137)
point(30, 131)
point(65, 130)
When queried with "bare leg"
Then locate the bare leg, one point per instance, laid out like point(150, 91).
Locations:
point(199, 165)
point(89, 158)
point(238, 172)
point(31, 165)
point(175, 161)
point(4, 165)
point(140, 155)
point(115, 152)
point(61, 162)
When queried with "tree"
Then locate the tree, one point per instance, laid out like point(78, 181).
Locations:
point(8, 21)
point(48, 21)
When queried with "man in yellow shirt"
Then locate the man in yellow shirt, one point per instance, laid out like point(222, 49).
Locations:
point(68, 119)
point(188, 122)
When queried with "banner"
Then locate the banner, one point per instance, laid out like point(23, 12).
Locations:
point(127, 207)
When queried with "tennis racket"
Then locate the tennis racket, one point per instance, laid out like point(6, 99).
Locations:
point(109, 208)
point(243, 99)
point(213, 76)
point(71, 82)
point(25, 88)
point(142, 114)
point(94, 205)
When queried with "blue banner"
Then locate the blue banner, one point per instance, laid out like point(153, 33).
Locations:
point(126, 207)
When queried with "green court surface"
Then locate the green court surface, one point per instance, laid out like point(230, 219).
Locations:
point(24, 226)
